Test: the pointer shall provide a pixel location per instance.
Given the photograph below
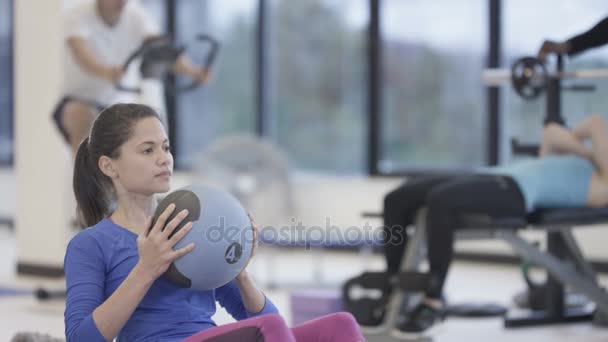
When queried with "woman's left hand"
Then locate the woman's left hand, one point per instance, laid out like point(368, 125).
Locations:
point(254, 246)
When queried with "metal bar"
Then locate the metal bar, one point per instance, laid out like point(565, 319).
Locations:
point(171, 97)
point(500, 76)
point(262, 73)
point(561, 270)
point(587, 74)
point(555, 290)
point(374, 91)
point(493, 137)
point(554, 102)
point(416, 246)
point(12, 78)
point(9, 79)
point(576, 255)
point(554, 96)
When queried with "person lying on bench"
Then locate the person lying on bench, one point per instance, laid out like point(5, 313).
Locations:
point(567, 173)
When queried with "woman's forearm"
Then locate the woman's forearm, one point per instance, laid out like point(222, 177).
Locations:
point(112, 314)
point(253, 299)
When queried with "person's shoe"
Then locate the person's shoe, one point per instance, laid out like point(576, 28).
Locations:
point(418, 322)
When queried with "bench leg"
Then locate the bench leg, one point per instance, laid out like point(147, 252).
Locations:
point(560, 272)
point(574, 315)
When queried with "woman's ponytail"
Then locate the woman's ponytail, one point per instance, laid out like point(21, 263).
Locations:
point(89, 187)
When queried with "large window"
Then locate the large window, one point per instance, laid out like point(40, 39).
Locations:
point(315, 101)
point(317, 90)
point(525, 26)
point(158, 10)
point(227, 104)
point(433, 101)
point(304, 78)
point(6, 82)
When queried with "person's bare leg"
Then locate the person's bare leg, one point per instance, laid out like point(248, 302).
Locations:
point(77, 119)
point(560, 140)
point(583, 128)
point(594, 128)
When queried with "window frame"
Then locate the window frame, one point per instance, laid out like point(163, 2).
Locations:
point(11, 82)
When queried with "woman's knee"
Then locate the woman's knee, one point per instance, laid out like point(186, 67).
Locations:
point(598, 124)
point(346, 325)
point(550, 130)
point(344, 319)
point(273, 322)
point(596, 120)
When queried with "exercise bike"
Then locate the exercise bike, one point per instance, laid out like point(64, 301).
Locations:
point(154, 61)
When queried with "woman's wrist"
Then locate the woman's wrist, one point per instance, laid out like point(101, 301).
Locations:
point(141, 275)
point(242, 278)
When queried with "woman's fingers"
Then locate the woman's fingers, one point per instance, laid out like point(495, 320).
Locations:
point(182, 251)
point(180, 234)
point(162, 219)
point(170, 227)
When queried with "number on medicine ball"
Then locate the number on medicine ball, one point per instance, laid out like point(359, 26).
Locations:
point(233, 253)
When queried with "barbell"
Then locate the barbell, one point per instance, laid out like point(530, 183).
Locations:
point(529, 76)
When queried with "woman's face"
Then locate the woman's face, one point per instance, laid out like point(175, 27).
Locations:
point(145, 164)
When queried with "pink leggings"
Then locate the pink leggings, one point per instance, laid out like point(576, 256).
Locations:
point(338, 327)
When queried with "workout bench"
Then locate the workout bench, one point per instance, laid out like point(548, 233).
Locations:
point(563, 260)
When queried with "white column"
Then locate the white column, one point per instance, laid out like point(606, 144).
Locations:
point(42, 161)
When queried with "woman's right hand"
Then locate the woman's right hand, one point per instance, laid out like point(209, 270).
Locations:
point(156, 248)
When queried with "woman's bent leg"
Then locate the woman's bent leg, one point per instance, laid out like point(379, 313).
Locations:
point(267, 328)
point(337, 327)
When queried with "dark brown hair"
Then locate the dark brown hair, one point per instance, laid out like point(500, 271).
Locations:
point(112, 128)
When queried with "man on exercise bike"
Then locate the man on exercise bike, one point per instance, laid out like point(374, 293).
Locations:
point(566, 174)
point(99, 37)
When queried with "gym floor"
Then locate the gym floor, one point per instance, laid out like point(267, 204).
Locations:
point(468, 282)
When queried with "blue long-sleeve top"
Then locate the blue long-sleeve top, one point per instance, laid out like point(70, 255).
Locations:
point(97, 261)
